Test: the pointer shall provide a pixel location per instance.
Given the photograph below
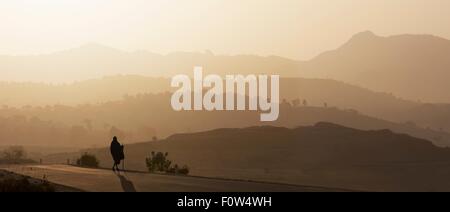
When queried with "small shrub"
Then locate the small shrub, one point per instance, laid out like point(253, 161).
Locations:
point(184, 170)
point(88, 160)
point(159, 162)
point(177, 170)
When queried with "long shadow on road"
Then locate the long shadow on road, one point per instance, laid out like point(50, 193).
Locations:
point(127, 185)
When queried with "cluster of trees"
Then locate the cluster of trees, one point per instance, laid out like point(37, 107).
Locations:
point(14, 155)
point(299, 103)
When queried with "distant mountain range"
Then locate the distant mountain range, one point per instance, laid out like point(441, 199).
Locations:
point(139, 118)
point(325, 155)
point(414, 67)
point(315, 93)
point(96, 61)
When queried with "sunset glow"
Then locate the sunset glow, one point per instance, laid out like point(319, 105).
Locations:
point(298, 29)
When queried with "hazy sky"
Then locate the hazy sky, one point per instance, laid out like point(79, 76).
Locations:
point(297, 29)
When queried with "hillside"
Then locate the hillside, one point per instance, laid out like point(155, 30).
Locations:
point(410, 66)
point(316, 92)
point(95, 61)
point(139, 118)
point(325, 155)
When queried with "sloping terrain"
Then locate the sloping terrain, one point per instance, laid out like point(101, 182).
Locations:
point(324, 155)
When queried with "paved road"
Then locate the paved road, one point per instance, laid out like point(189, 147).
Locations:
point(97, 180)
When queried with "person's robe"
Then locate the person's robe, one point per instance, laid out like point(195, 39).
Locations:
point(117, 151)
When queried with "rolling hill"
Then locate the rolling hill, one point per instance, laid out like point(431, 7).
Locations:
point(316, 92)
point(410, 66)
point(96, 61)
point(325, 155)
point(139, 118)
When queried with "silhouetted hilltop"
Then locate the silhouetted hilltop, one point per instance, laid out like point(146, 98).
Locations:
point(325, 142)
point(316, 92)
point(410, 66)
point(140, 117)
point(89, 49)
point(95, 61)
point(324, 154)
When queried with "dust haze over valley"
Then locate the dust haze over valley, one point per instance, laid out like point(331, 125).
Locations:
point(84, 114)
point(84, 106)
point(362, 110)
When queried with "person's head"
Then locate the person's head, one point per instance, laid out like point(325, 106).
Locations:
point(115, 138)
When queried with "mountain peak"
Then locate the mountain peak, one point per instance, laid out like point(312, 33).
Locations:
point(364, 35)
point(96, 47)
point(92, 48)
point(361, 39)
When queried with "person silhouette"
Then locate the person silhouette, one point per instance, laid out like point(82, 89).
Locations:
point(117, 153)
